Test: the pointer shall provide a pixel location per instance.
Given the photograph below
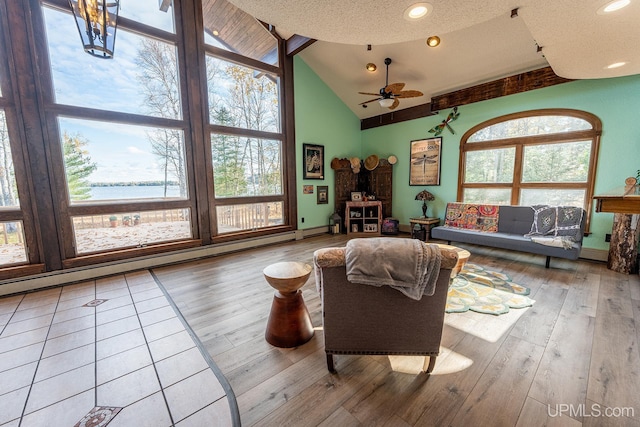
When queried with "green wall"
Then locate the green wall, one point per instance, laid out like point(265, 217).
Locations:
point(321, 118)
point(614, 101)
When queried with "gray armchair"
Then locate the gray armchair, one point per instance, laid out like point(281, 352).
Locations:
point(363, 319)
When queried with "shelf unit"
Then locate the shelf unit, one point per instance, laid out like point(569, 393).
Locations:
point(363, 218)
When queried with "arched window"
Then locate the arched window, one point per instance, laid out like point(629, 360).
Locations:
point(533, 157)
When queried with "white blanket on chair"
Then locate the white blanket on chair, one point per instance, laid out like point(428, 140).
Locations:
point(408, 265)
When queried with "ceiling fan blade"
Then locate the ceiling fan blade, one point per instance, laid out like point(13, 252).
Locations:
point(371, 100)
point(369, 93)
point(396, 102)
point(394, 88)
point(408, 94)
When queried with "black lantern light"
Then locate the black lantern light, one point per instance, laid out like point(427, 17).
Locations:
point(97, 22)
point(335, 222)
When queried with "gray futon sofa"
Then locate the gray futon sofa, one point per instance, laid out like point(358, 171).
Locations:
point(513, 223)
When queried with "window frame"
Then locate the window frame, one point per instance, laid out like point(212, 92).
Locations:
point(520, 142)
point(32, 115)
point(10, 103)
point(53, 111)
point(288, 164)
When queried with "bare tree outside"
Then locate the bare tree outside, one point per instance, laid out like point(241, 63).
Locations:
point(8, 189)
point(251, 100)
point(160, 83)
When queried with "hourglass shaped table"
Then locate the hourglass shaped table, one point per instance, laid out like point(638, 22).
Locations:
point(289, 323)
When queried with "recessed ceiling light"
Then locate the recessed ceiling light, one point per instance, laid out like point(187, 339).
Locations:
point(613, 6)
point(433, 41)
point(616, 65)
point(371, 67)
point(417, 11)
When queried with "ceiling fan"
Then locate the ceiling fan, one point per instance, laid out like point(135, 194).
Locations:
point(390, 94)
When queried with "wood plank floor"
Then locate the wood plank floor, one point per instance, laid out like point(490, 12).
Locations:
point(572, 359)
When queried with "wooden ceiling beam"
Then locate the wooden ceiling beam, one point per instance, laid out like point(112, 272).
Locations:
point(296, 44)
point(523, 82)
point(422, 110)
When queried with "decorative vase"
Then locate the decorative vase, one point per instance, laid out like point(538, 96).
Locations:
point(424, 209)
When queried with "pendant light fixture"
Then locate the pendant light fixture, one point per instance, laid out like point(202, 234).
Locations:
point(97, 22)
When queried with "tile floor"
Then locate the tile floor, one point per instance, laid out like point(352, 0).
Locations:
point(114, 346)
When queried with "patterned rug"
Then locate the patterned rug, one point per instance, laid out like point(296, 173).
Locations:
point(485, 291)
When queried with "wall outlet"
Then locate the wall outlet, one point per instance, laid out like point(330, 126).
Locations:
point(607, 237)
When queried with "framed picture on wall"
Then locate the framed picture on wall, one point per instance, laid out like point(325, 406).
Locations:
point(323, 194)
point(313, 161)
point(425, 158)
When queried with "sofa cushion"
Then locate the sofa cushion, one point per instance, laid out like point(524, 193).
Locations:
point(515, 219)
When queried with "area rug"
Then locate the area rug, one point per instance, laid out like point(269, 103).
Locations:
point(485, 291)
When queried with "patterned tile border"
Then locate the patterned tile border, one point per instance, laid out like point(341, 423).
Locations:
point(95, 303)
point(99, 416)
point(230, 395)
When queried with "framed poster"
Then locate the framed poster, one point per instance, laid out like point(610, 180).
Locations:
point(323, 194)
point(313, 161)
point(425, 158)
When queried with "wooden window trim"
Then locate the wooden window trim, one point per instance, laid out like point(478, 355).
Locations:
point(28, 96)
point(520, 142)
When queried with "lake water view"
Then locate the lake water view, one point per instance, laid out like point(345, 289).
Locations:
point(133, 192)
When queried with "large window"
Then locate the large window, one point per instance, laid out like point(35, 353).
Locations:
point(12, 242)
point(533, 157)
point(178, 141)
point(243, 86)
point(118, 173)
point(17, 238)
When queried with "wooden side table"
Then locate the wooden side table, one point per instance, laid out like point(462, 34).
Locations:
point(463, 257)
point(289, 323)
point(425, 224)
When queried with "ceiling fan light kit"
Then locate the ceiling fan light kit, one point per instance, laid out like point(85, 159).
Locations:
point(386, 102)
point(390, 95)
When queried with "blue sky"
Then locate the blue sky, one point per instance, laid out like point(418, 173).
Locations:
point(122, 152)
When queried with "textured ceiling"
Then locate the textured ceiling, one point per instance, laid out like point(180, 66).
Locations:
point(480, 42)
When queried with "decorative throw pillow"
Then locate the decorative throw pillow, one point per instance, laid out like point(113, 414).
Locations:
point(568, 219)
point(488, 218)
point(454, 214)
point(544, 220)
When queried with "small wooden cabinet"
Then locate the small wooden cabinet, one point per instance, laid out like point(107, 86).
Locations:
point(363, 218)
point(378, 182)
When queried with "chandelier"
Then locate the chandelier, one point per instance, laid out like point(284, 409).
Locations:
point(97, 22)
